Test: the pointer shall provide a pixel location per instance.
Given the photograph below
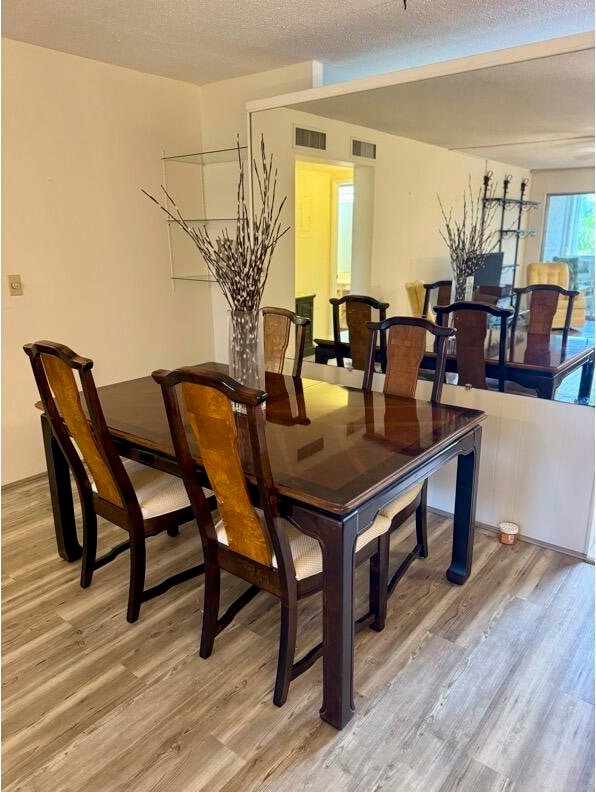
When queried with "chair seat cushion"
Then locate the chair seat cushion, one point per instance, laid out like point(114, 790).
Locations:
point(157, 492)
point(392, 509)
point(306, 551)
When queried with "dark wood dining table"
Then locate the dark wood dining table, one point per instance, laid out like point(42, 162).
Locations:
point(539, 363)
point(345, 456)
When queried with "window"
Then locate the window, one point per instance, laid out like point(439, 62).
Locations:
point(569, 236)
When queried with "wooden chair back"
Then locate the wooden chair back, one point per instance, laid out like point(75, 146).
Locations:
point(53, 367)
point(277, 325)
point(220, 433)
point(443, 295)
point(470, 321)
point(406, 344)
point(543, 303)
point(359, 310)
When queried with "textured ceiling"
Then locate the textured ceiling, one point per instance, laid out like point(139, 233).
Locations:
point(536, 114)
point(204, 40)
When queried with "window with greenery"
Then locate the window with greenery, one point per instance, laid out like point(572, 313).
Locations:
point(569, 236)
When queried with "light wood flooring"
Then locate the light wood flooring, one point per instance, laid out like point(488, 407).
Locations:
point(485, 687)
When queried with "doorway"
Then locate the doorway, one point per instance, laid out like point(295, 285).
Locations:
point(324, 200)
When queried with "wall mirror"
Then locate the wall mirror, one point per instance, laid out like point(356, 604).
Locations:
point(363, 167)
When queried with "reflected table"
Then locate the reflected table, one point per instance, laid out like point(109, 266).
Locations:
point(540, 363)
point(343, 457)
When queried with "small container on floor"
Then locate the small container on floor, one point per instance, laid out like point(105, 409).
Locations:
point(508, 533)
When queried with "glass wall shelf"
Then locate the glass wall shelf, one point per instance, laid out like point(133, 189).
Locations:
point(199, 278)
point(206, 195)
point(210, 157)
point(205, 220)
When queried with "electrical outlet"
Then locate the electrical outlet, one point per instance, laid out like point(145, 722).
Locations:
point(15, 286)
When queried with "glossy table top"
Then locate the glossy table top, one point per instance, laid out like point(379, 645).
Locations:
point(539, 351)
point(329, 445)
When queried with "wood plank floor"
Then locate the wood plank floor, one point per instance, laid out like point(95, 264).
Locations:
point(483, 687)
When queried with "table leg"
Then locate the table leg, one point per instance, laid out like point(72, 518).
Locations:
point(337, 543)
point(465, 512)
point(585, 383)
point(61, 495)
point(337, 540)
point(545, 389)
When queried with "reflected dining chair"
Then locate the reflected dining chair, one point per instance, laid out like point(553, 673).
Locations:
point(277, 325)
point(141, 500)
point(359, 310)
point(285, 403)
point(443, 297)
point(406, 345)
point(470, 320)
point(544, 301)
point(254, 543)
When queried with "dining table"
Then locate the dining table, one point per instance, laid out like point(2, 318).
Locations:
point(537, 362)
point(343, 456)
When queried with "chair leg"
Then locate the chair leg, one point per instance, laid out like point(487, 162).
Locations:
point(89, 542)
point(379, 574)
point(137, 576)
point(173, 530)
point(210, 609)
point(287, 647)
point(421, 532)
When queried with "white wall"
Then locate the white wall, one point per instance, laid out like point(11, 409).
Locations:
point(571, 180)
point(79, 140)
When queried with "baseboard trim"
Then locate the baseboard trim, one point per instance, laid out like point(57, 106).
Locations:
point(29, 480)
point(529, 540)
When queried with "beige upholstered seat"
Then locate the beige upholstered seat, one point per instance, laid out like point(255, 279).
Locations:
point(306, 551)
point(556, 273)
point(157, 492)
point(399, 504)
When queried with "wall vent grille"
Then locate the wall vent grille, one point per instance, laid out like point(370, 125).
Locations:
point(360, 148)
point(310, 138)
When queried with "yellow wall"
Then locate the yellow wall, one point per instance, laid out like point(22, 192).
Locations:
point(314, 243)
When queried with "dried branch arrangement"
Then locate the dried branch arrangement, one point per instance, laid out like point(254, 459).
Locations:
point(240, 263)
point(472, 237)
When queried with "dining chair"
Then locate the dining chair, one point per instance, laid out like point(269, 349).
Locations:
point(470, 320)
point(358, 310)
point(406, 344)
point(443, 296)
point(254, 543)
point(559, 272)
point(141, 500)
point(277, 325)
point(543, 305)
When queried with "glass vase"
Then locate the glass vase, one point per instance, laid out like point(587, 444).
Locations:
point(245, 347)
point(462, 288)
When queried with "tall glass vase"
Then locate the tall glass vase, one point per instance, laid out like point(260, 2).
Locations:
point(462, 288)
point(246, 347)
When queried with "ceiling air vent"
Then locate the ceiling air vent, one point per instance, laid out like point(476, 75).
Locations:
point(310, 138)
point(360, 148)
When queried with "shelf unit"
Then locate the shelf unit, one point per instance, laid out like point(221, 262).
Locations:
point(206, 192)
point(507, 203)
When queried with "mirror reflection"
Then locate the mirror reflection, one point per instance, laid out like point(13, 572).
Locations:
point(363, 171)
